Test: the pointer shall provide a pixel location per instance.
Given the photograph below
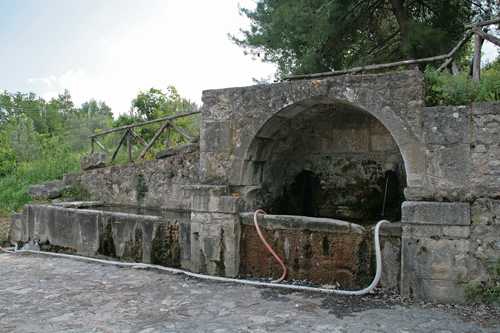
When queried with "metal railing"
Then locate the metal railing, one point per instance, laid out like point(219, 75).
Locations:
point(130, 134)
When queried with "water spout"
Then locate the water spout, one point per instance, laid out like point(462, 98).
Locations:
point(385, 193)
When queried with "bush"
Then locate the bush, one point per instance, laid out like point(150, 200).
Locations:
point(14, 187)
point(445, 89)
point(76, 192)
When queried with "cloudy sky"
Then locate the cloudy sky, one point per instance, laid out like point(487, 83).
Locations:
point(110, 50)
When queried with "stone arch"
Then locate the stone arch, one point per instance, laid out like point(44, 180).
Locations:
point(275, 130)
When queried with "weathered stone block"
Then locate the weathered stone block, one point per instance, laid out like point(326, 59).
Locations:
point(433, 259)
point(382, 142)
point(184, 149)
point(445, 125)
point(49, 190)
point(350, 140)
point(134, 231)
point(215, 136)
point(446, 213)
point(486, 108)
point(209, 190)
point(390, 248)
point(454, 163)
point(298, 222)
point(94, 161)
point(18, 229)
point(456, 231)
point(423, 230)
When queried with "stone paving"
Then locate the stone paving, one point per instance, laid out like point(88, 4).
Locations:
point(40, 293)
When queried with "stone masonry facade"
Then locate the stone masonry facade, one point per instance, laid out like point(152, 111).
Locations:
point(256, 139)
point(357, 146)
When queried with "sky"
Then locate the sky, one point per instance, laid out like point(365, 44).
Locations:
point(110, 50)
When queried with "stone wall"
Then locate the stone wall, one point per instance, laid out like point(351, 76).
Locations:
point(344, 135)
point(245, 132)
point(484, 248)
point(445, 244)
point(320, 250)
point(164, 179)
point(121, 236)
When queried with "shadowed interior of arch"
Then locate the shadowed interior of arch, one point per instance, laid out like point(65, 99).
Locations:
point(327, 160)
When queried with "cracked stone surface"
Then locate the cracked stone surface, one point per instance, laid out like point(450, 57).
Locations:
point(43, 293)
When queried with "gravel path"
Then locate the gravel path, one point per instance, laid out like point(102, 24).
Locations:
point(42, 293)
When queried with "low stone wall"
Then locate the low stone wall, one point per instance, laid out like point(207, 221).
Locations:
point(320, 250)
point(126, 237)
point(158, 183)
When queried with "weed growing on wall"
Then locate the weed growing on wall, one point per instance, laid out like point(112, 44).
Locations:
point(487, 291)
point(76, 192)
point(141, 188)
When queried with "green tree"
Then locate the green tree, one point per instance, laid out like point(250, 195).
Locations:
point(305, 36)
point(154, 104)
point(23, 138)
point(8, 157)
point(63, 104)
point(93, 108)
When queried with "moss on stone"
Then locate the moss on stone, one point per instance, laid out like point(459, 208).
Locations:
point(106, 244)
point(165, 247)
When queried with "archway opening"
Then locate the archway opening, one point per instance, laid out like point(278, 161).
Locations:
point(327, 159)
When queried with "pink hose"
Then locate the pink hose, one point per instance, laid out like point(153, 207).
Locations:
point(4, 250)
point(267, 245)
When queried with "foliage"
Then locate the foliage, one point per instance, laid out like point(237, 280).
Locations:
point(93, 108)
point(78, 130)
point(141, 188)
point(446, 89)
point(14, 186)
point(307, 36)
point(41, 141)
point(8, 157)
point(155, 104)
point(23, 138)
point(76, 192)
point(487, 291)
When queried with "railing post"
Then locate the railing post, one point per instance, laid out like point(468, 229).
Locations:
point(129, 152)
point(167, 140)
point(476, 69)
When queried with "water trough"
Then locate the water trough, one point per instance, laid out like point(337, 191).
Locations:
point(321, 250)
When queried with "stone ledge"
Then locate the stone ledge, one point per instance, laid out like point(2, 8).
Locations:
point(446, 213)
point(78, 204)
point(393, 229)
point(302, 222)
point(213, 204)
point(208, 190)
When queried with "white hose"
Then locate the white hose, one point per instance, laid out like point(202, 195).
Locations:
point(223, 279)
